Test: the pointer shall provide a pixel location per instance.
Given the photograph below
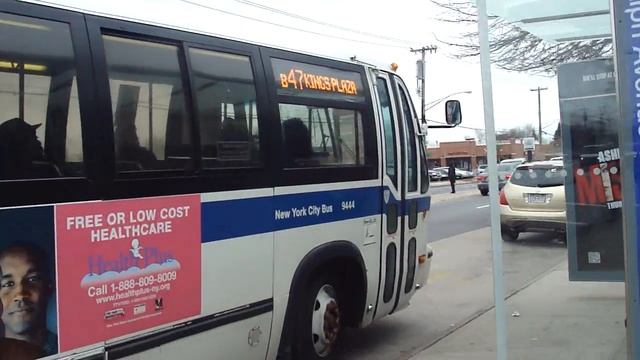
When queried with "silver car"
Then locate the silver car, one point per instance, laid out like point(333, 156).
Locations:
point(533, 200)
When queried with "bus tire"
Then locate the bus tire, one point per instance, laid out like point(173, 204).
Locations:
point(319, 320)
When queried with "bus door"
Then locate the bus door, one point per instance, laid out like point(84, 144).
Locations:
point(391, 244)
point(413, 186)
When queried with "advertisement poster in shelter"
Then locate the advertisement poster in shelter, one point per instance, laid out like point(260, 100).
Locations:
point(589, 117)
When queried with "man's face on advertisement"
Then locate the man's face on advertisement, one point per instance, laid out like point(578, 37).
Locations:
point(23, 293)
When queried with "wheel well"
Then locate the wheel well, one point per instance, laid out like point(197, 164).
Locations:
point(349, 278)
point(341, 260)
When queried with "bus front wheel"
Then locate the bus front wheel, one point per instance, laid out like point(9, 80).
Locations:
point(320, 321)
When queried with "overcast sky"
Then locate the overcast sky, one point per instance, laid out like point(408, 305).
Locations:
point(386, 35)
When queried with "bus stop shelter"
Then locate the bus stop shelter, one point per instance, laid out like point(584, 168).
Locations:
point(614, 82)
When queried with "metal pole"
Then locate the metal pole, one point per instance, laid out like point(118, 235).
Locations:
point(424, 76)
point(496, 239)
point(539, 89)
point(423, 50)
point(539, 118)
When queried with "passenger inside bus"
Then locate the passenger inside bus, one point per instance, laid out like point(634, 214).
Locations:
point(130, 155)
point(128, 149)
point(234, 130)
point(297, 142)
point(21, 153)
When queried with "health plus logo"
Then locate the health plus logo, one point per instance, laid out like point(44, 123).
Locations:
point(134, 260)
point(135, 249)
point(135, 256)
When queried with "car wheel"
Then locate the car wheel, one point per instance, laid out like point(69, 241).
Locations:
point(484, 192)
point(319, 320)
point(510, 235)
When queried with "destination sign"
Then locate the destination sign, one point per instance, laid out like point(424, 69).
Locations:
point(306, 80)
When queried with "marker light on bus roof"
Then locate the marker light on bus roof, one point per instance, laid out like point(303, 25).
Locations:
point(16, 66)
point(394, 67)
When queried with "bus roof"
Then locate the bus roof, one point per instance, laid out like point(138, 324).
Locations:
point(87, 9)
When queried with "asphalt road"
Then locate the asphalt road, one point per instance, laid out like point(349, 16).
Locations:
point(457, 216)
point(460, 285)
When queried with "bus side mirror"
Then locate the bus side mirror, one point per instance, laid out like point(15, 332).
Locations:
point(453, 112)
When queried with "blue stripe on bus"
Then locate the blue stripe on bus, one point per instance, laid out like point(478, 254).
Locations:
point(424, 203)
point(307, 209)
point(235, 218)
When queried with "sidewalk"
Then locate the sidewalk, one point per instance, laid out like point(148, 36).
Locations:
point(557, 319)
point(446, 182)
point(448, 196)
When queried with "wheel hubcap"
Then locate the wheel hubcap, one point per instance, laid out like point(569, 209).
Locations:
point(325, 323)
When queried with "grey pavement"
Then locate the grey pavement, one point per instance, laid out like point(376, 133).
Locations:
point(557, 319)
point(457, 214)
point(459, 290)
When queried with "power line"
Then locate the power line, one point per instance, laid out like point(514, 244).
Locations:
point(193, 3)
point(311, 20)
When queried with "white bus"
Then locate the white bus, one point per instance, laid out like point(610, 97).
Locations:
point(165, 194)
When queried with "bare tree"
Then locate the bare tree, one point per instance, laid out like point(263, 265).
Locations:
point(513, 48)
point(524, 131)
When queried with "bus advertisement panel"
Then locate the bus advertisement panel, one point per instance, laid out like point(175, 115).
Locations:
point(128, 265)
point(122, 266)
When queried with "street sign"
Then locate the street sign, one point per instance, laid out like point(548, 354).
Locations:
point(529, 144)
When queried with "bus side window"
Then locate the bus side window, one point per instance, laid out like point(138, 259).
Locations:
point(151, 126)
point(40, 133)
point(321, 136)
point(227, 112)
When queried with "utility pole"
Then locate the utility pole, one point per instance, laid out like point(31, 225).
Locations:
point(539, 89)
point(421, 75)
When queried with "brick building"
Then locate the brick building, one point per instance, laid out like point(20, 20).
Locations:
point(468, 155)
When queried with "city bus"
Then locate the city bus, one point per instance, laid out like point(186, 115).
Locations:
point(168, 194)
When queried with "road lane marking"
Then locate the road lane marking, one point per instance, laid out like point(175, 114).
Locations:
point(483, 206)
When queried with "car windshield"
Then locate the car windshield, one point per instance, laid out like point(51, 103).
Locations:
point(539, 176)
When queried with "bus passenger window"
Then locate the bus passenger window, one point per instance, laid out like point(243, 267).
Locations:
point(151, 126)
point(319, 136)
point(227, 112)
point(40, 133)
